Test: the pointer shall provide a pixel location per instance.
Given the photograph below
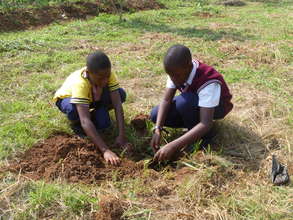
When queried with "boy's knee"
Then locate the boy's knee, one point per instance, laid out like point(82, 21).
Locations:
point(154, 114)
point(101, 118)
point(122, 94)
point(103, 124)
point(186, 100)
point(68, 108)
point(72, 113)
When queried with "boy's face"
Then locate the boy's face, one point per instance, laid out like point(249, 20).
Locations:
point(100, 78)
point(179, 75)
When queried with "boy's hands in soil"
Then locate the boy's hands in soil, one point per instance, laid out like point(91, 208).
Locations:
point(155, 142)
point(111, 157)
point(165, 153)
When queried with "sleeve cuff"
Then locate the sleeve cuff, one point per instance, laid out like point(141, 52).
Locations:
point(79, 101)
point(114, 87)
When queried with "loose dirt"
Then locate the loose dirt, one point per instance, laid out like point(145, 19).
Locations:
point(111, 208)
point(139, 122)
point(72, 159)
point(24, 18)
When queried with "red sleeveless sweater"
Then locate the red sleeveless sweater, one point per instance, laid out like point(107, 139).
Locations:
point(206, 75)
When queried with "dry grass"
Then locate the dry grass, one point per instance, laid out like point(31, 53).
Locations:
point(256, 129)
point(228, 181)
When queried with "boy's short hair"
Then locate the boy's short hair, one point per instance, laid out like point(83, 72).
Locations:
point(97, 61)
point(177, 55)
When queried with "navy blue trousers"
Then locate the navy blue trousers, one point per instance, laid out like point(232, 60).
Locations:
point(100, 115)
point(184, 111)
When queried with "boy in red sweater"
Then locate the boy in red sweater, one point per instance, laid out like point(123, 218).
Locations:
point(204, 97)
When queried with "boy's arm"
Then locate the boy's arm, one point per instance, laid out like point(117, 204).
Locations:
point(161, 117)
point(206, 121)
point(90, 130)
point(119, 113)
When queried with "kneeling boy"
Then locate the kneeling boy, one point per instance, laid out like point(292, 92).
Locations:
point(204, 97)
point(87, 95)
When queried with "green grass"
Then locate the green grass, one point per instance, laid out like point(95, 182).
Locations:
point(66, 200)
point(250, 45)
point(6, 5)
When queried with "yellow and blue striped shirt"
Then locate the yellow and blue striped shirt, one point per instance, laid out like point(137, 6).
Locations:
point(79, 89)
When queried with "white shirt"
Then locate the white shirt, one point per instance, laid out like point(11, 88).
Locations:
point(209, 96)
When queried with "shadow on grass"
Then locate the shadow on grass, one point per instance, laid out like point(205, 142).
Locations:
point(191, 32)
point(240, 145)
point(274, 3)
point(235, 143)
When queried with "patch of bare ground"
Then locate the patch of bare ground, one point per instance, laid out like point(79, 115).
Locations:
point(71, 159)
point(24, 18)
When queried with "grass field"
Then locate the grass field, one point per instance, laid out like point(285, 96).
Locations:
point(16, 4)
point(251, 45)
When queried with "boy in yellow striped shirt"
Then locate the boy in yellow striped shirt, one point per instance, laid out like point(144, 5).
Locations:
point(87, 95)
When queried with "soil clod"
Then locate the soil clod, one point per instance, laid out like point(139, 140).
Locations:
point(163, 190)
point(111, 208)
point(139, 122)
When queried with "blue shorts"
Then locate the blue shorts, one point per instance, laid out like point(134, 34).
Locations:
point(100, 115)
point(184, 111)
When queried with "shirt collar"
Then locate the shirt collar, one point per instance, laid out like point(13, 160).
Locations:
point(84, 73)
point(192, 73)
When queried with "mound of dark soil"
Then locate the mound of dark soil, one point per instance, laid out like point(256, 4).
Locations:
point(71, 159)
point(24, 18)
point(139, 122)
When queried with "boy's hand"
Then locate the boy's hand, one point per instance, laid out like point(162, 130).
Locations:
point(155, 142)
point(165, 153)
point(111, 157)
point(121, 140)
